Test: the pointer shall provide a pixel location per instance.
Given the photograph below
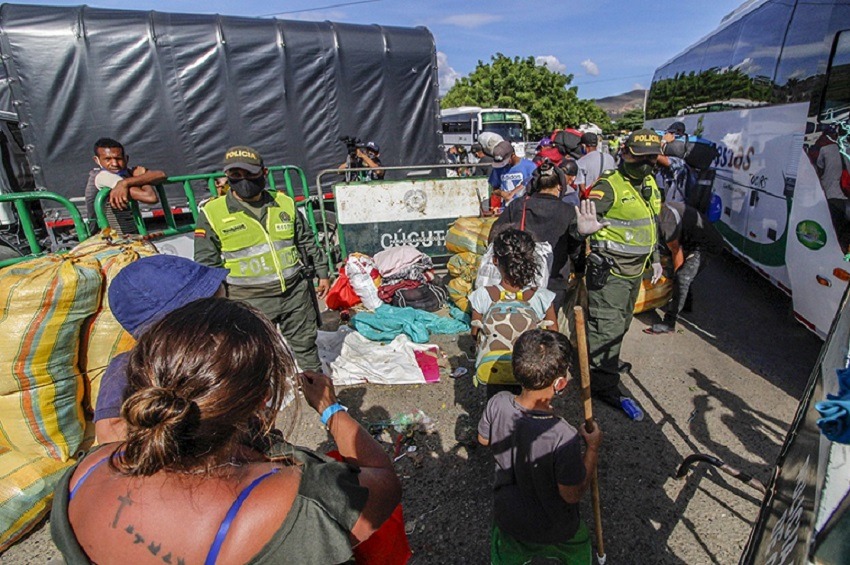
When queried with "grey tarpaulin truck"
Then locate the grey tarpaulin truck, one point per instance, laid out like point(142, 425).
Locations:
point(178, 89)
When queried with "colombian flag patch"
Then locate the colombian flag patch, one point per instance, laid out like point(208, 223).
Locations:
point(200, 232)
point(594, 194)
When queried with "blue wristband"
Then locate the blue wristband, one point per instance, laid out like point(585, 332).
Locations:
point(331, 410)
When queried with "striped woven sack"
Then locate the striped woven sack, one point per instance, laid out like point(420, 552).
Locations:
point(464, 265)
point(103, 337)
point(26, 491)
point(469, 234)
point(43, 304)
point(459, 290)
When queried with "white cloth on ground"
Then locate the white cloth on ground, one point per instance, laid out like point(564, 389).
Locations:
point(349, 359)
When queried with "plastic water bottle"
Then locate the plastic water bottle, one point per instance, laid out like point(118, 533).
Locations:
point(631, 408)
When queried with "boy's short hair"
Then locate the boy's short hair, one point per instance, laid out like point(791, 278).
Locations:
point(540, 357)
point(107, 143)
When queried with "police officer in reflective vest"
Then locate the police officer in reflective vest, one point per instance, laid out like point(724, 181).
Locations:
point(261, 238)
point(627, 199)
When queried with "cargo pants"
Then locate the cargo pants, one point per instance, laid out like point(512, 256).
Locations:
point(294, 314)
point(609, 314)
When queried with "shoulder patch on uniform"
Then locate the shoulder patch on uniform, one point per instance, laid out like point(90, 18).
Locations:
point(200, 232)
point(596, 194)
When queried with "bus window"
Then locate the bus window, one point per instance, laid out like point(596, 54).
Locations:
point(715, 79)
point(805, 53)
point(836, 103)
point(673, 87)
point(457, 127)
point(757, 51)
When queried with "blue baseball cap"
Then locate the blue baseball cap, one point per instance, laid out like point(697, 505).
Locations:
point(151, 287)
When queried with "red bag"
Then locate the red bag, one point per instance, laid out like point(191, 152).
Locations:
point(845, 177)
point(341, 296)
point(388, 545)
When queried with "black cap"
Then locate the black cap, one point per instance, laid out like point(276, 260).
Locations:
point(643, 142)
point(676, 128)
point(476, 147)
point(589, 138)
point(243, 157)
point(502, 154)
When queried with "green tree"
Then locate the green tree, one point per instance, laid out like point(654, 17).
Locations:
point(631, 120)
point(546, 96)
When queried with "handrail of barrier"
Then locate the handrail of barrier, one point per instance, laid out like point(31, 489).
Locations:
point(339, 235)
point(186, 181)
point(171, 225)
point(20, 199)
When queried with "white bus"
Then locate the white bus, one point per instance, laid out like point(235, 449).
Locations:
point(764, 87)
point(461, 126)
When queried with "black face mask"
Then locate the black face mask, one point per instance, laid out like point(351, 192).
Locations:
point(247, 189)
point(637, 170)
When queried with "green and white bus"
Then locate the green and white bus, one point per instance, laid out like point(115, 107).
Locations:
point(764, 86)
point(461, 126)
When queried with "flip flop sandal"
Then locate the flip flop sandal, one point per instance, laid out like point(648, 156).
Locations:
point(658, 329)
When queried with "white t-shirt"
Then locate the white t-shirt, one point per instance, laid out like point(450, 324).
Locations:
point(540, 302)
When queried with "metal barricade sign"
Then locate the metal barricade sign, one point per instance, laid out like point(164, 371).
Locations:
point(379, 215)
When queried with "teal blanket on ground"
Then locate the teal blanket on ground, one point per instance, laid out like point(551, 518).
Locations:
point(387, 322)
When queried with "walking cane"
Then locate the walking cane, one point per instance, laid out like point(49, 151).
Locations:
point(584, 368)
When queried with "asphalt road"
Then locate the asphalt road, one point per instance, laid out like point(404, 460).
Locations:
point(726, 384)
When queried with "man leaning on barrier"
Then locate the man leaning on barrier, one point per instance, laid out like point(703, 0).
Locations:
point(124, 184)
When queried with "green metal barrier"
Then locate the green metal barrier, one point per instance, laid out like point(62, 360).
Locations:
point(287, 172)
point(20, 200)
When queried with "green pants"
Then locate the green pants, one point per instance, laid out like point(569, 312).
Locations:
point(505, 550)
point(295, 316)
point(609, 314)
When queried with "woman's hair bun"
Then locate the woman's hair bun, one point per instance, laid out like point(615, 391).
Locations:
point(156, 406)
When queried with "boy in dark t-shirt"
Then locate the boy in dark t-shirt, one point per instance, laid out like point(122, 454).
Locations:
point(540, 472)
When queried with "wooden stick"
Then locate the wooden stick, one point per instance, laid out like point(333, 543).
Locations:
point(584, 369)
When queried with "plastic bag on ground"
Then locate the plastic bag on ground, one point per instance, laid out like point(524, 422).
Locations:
point(362, 272)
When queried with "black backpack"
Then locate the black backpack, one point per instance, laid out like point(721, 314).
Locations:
point(568, 143)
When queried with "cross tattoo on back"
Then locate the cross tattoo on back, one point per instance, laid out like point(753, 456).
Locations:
point(122, 502)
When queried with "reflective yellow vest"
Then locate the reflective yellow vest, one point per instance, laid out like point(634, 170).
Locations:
point(256, 254)
point(633, 229)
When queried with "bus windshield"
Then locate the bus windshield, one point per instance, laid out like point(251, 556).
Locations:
point(510, 132)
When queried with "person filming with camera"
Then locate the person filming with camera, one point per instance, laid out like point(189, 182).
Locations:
point(362, 156)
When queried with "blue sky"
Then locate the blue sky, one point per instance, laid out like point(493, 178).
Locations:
point(609, 46)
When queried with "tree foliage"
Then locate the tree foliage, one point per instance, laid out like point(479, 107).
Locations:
point(711, 88)
point(631, 120)
point(546, 96)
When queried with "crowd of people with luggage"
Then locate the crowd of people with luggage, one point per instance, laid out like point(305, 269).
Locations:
point(186, 419)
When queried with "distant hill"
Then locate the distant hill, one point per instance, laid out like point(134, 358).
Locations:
point(618, 105)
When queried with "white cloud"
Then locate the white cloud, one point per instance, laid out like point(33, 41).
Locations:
point(747, 66)
point(638, 86)
point(471, 20)
point(590, 67)
point(550, 62)
point(445, 73)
